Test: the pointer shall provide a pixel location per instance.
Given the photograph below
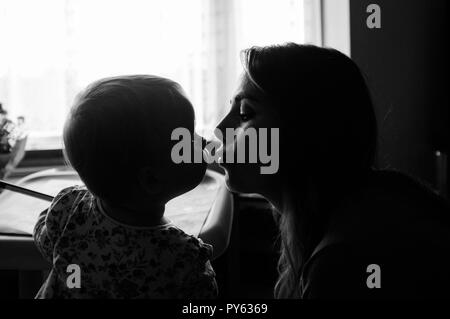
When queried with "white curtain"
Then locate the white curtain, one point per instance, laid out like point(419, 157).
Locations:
point(51, 49)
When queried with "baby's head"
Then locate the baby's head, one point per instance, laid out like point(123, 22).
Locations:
point(118, 138)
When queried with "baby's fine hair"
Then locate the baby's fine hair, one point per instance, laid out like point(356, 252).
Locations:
point(114, 127)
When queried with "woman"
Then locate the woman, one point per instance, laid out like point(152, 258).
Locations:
point(347, 230)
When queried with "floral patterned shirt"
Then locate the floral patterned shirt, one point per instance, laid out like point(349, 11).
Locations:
point(117, 260)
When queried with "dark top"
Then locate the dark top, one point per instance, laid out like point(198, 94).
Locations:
point(395, 223)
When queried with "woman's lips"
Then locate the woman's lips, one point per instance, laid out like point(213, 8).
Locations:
point(213, 152)
point(219, 156)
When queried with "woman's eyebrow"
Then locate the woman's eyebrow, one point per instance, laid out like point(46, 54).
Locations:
point(241, 96)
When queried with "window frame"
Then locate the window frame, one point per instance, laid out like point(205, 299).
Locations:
point(43, 158)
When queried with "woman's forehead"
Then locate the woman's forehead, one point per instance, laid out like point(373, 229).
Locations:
point(248, 89)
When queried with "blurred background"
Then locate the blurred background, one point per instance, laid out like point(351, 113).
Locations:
point(52, 49)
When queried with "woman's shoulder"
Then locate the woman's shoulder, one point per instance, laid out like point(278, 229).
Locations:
point(395, 186)
point(397, 223)
point(393, 207)
point(392, 201)
point(345, 270)
point(334, 271)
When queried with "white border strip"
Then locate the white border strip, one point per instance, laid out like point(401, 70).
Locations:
point(336, 25)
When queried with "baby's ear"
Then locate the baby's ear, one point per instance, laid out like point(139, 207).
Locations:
point(149, 181)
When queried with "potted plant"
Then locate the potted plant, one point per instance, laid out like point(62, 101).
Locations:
point(12, 143)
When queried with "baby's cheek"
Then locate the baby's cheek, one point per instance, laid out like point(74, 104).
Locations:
point(189, 175)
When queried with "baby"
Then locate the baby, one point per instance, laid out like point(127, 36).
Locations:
point(118, 138)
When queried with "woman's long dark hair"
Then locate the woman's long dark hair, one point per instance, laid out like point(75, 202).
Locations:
point(327, 141)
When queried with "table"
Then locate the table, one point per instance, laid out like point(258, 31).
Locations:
point(19, 213)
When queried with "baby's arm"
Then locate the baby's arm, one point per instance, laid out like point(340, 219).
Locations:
point(41, 238)
point(200, 284)
point(217, 229)
point(199, 278)
point(48, 227)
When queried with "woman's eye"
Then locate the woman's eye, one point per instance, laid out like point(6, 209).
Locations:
point(245, 116)
point(246, 113)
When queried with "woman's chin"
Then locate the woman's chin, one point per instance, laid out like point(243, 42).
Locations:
point(229, 183)
point(227, 180)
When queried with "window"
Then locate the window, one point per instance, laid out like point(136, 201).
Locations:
point(51, 49)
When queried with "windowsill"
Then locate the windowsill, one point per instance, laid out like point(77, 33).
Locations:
point(43, 158)
point(38, 140)
point(37, 160)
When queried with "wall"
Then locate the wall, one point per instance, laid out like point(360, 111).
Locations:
point(406, 63)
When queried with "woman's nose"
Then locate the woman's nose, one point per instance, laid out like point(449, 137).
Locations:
point(221, 129)
point(204, 142)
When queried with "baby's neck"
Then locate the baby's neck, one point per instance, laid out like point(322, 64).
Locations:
point(151, 215)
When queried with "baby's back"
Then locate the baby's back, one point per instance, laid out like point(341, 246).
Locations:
point(117, 260)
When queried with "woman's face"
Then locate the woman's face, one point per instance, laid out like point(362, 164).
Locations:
point(251, 111)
